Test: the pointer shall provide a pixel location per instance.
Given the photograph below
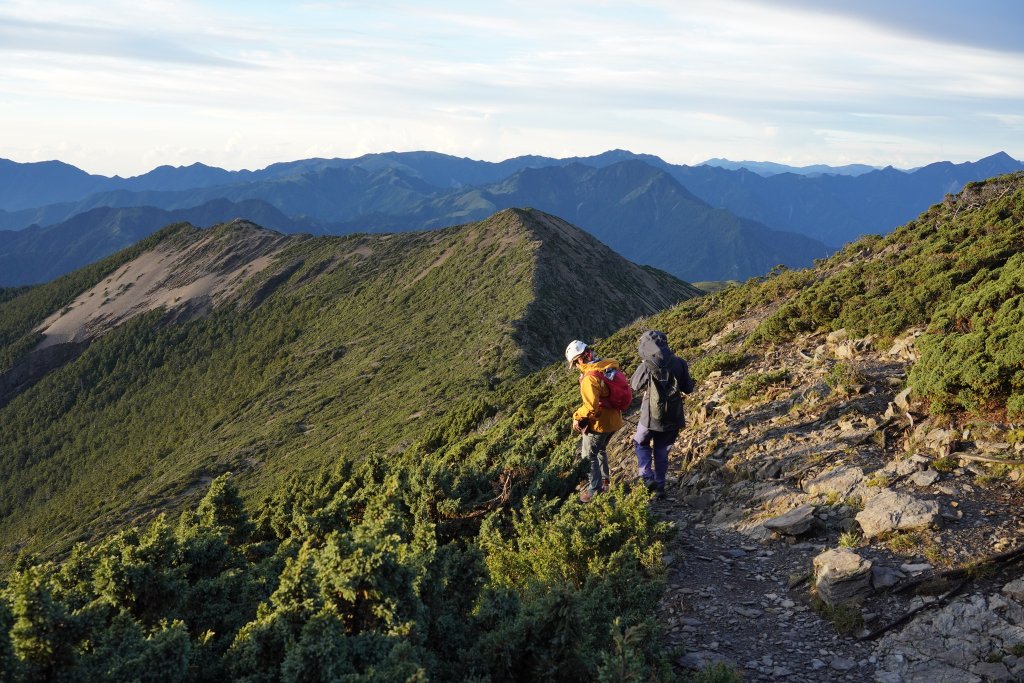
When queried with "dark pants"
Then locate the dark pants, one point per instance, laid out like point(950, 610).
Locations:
point(595, 448)
point(654, 446)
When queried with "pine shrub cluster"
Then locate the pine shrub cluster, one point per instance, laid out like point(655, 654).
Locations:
point(472, 568)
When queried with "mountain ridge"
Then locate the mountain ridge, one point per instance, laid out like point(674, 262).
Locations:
point(671, 229)
point(254, 347)
point(458, 171)
point(766, 168)
point(645, 215)
point(395, 190)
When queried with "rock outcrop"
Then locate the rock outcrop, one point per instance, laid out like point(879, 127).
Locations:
point(894, 511)
point(976, 638)
point(793, 523)
point(841, 576)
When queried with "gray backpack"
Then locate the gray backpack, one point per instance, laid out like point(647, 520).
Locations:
point(663, 396)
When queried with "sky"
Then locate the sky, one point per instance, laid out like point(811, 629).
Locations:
point(123, 86)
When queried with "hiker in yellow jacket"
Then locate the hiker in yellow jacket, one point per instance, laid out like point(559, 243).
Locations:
point(595, 422)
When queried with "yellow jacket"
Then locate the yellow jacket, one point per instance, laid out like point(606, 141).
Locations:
point(599, 419)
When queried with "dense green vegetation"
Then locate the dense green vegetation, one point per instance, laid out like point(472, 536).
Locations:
point(352, 578)
point(973, 355)
point(459, 559)
point(8, 293)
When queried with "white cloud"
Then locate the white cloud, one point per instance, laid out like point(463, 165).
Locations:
point(118, 84)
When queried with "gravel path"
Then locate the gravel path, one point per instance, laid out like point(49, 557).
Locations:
point(729, 599)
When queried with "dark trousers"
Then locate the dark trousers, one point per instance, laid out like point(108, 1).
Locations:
point(654, 446)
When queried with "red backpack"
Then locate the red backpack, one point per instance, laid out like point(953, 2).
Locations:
point(620, 394)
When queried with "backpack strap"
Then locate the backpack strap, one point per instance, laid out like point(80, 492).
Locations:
point(601, 377)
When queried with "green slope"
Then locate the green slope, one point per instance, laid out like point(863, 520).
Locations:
point(956, 272)
point(344, 348)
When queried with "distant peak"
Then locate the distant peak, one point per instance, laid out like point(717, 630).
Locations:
point(999, 156)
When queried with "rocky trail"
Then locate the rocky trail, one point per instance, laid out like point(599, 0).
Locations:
point(732, 600)
point(816, 504)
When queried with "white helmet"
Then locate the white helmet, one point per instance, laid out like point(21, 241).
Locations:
point(574, 349)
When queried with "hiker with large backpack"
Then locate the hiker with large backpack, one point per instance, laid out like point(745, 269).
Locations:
point(606, 393)
point(663, 377)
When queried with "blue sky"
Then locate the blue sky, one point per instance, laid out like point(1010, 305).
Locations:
point(118, 86)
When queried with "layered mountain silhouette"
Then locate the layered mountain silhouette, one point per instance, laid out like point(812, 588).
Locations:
point(767, 168)
point(837, 209)
point(39, 254)
point(751, 231)
point(639, 211)
point(242, 348)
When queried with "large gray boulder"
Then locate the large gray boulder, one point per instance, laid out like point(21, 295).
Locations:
point(841, 481)
point(894, 511)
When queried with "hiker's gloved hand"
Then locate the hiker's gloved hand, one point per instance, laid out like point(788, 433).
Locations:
point(579, 426)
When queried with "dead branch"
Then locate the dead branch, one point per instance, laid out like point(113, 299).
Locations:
point(987, 458)
point(504, 494)
point(964, 574)
point(942, 600)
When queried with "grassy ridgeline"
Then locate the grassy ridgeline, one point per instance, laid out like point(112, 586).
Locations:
point(345, 348)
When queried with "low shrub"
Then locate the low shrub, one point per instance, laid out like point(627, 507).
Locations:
point(754, 385)
point(723, 361)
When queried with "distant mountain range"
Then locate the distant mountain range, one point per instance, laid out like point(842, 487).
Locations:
point(638, 210)
point(697, 222)
point(767, 168)
point(39, 254)
point(837, 209)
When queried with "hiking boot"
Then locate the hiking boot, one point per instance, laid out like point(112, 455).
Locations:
point(586, 495)
point(605, 485)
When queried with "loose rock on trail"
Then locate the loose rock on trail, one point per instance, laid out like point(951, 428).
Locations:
point(839, 458)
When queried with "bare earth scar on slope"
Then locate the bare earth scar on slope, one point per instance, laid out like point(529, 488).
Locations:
point(193, 278)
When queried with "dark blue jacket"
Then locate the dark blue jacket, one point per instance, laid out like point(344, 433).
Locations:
point(658, 361)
